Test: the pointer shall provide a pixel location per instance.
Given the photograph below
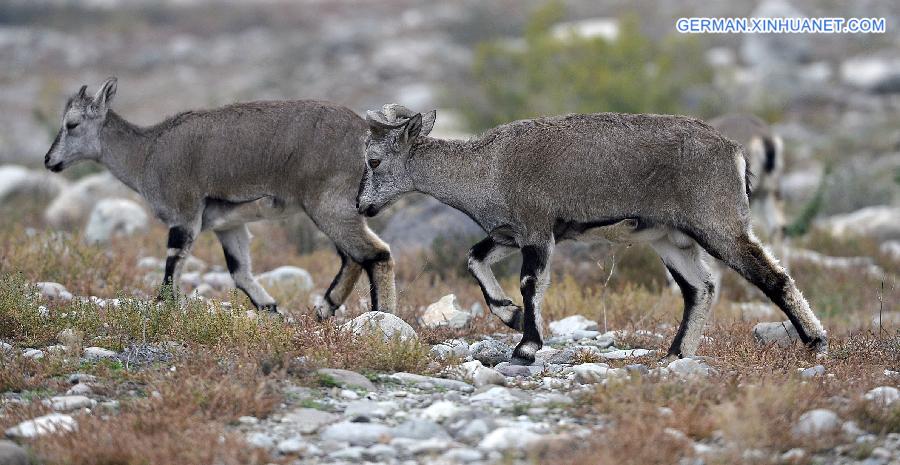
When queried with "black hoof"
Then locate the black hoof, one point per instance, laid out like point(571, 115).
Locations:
point(818, 345)
point(524, 354)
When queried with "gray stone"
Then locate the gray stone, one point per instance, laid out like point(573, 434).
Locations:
point(53, 291)
point(446, 312)
point(76, 202)
point(510, 370)
point(508, 438)
point(462, 455)
point(637, 368)
point(580, 334)
point(474, 431)
point(39, 426)
point(357, 434)
point(812, 372)
point(76, 378)
point(292, 445)
point(416, 428)
point(781, 333)
point(688, 367)
point(623, 354)
point(879, 222)
point(567, 326)
point(817, 422)
point(260, 440)
point(12, 454)
point(308, 420)
point(442, 410)
point(352, 454)
point(883, 395)
point(33, 353)
point(491, 352)
point(384, 324)
point(79, 389)
point(114, 218)
point(370, 409)
point(420, 381)
point(287, 279)
point(68, 403)
point(485, 376)
point(380, 452)
point(346, 378)
point(451, 348)
point(588, 373)
point(98, 353)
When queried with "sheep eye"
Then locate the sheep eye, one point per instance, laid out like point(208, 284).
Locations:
point(373, 163)
point(71, 125)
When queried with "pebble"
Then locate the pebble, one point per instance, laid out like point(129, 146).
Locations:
point(69, 403)
point(54, 291)
point(345, 378)
point(490, 352)
point(308, 420)
point(817, 422)
point(98, 353)
point(507, 369)
point(588, 373)
point(812, 372)
point(292, 445)
point(451, 348)
point(569, 325)
point(883, 395)
point(260, 440)
point(369, 409)
point(687, 368)
point(42, 425)
point(384, 324)
point(428, 382)
point(13, 454)
point(80, 389)
point(357, 434)
point(508, 438)
point(441, 410)
point(417, 428)
point(781, 333)
point(33, 353)
point(445, 313)
point(623, 354)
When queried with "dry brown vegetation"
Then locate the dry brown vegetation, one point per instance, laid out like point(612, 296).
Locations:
point(227, 364)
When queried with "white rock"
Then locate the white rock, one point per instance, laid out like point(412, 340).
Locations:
point(688, 367)
point(384, 324)
point(98, 353)
point(287, 279)
point(508, 438)
point(79, 389)
point(115, 218)
point(817, 422)
point(781, 333)
point(69, 403)
point(446, 312)
point(588, 373)
point(293, 445)
point(450, 348)
point(357, 434)
point(497, 396)
point(219, 280)
point(485, 376)
point(568, 325)
point(18, 180)
point(370, 409)
point(628, 353)
point(53, 291)
point(42, 425)
point(33, 353)
point(421, 381)
point(880, 222)
point(74, 203)
point(883, 395)
point(260, 440)
point(308, 420)
point(441, 410)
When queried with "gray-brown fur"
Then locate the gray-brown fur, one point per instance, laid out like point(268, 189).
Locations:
point(765, 159)
point(673, 182)
point(219, 169)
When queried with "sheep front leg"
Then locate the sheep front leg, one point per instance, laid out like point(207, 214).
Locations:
point(535, 279)
point(181, 240)
point(481, 257)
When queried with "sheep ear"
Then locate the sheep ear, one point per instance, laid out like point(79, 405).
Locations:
point(413, 128)
point(428, 122)
point(104, 96)
point(81, 92)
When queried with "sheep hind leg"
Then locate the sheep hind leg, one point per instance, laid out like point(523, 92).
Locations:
point(236, 247)
point(686, 263)
point(340, 287)
point(535, 280)
point(753, 262)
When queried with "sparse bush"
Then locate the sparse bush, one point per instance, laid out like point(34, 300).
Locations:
point(550, 75)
